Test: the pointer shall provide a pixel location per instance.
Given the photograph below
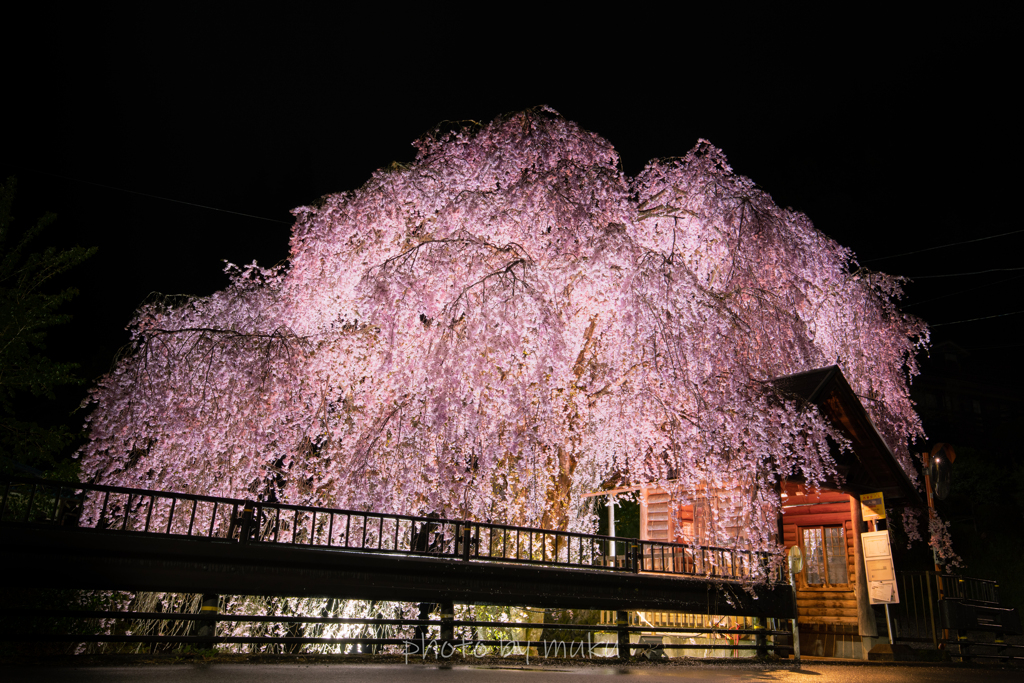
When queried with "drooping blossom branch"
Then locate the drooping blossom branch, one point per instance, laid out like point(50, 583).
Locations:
point(911, 525)
point(941, 542)
point(504, 325)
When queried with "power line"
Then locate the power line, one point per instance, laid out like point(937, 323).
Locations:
point(971, 320)
point(989, 348)
point(976, 272)
point(962, 291)
point(943, 246)
point(166, 199)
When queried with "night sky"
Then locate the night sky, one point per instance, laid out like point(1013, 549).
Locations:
point(893, 133)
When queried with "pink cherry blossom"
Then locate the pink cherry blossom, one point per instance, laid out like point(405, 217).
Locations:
point(504, 325)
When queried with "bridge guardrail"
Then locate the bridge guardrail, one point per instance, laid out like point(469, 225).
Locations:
point(140, 511)
point(445, 638)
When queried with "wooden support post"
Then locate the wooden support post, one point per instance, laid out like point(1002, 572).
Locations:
point(621, 624)
point(932, 606)
point(867, 628)
point(935, 554)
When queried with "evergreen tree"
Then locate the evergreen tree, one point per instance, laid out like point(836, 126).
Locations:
point(27, 310)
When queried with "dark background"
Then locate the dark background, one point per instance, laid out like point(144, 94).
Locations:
point(894, 132)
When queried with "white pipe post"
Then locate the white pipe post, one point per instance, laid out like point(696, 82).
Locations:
point(611, 524)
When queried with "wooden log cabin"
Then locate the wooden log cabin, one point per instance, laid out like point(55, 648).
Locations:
point(835, 617)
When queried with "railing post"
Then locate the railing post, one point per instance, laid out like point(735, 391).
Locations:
point(233, 519)
point(759, 638)
point(447, 621)
point(1001, 648)
point(423, 630)
point(28, 508)
point(7, 494)
point(621, 626)
point(467, 540)
point(963, 645)
point(245, 526)
point(208, 628)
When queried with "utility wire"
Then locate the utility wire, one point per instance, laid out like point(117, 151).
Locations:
point(976, 272)
point(943, 246)
point(989, 348)
point(962, 291)
point(166, 199)
point(971, 320)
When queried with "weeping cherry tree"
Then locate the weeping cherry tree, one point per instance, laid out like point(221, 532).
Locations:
point(505, 324)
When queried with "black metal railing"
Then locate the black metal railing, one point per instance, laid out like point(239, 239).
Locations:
point(217, 519)
point(444, 637)
point(969, 589)
point(680, 558)
point(915, 617)
point(925, 596)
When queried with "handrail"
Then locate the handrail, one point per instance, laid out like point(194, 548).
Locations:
point(960, 588)
point(125, 510)
point(970, 589)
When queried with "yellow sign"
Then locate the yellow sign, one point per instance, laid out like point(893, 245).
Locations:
point(872, 506)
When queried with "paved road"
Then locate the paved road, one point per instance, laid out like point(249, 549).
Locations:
point(418, 673)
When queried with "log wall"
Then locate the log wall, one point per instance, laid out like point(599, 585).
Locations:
point(828, 615)
point(663, 519)
point(822, 605)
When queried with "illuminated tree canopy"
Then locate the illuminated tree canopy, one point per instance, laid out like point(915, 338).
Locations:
point(504, 324)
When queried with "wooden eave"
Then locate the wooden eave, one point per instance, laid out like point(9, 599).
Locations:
point(872, 466)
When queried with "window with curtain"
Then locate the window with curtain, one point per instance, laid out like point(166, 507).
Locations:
point(824, 555)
